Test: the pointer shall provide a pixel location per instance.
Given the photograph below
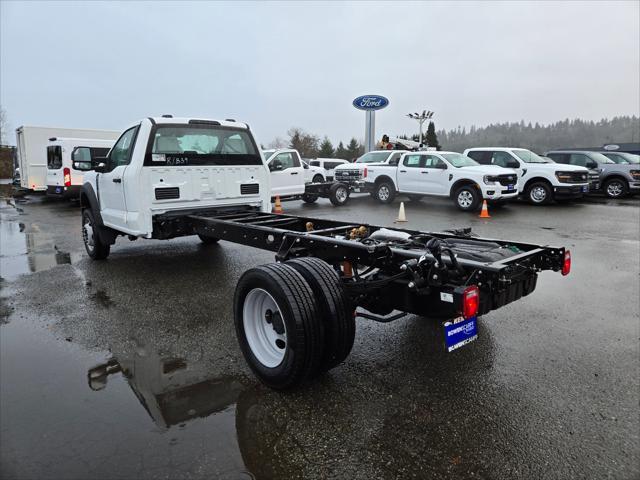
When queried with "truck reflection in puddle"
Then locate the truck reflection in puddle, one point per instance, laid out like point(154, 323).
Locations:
point(171, 391)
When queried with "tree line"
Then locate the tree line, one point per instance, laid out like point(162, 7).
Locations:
point(536, 137)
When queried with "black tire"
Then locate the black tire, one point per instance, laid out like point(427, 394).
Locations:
point(317, 178)
point(299, 313)
point(309, 198)
point(335, 309)
point(467, 198)
point(539, 193)
point(93, 244)
point(339, 194)
point(384, 192)
point(208, 240)
point(415, 198)
point(616, 188)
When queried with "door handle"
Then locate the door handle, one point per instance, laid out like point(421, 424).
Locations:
point(294, 173)
point(117, 180)
point(403, 171)
point(424, 172)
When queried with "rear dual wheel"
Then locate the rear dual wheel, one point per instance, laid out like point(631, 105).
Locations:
point(292, 321)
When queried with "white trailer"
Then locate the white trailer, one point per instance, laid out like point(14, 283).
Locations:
point(32, 145)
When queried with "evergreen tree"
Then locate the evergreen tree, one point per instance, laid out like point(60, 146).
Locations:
point(326, 149)
point(353, 150)
point(341, 152)
point(432, 137)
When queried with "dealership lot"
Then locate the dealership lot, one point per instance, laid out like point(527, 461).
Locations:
point(130, 367)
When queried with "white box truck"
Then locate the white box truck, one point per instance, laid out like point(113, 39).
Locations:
point(31, 150)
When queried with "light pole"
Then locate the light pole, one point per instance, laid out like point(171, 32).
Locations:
point(421, 118)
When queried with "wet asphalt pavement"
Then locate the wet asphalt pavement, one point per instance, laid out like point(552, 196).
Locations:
point(129, 368)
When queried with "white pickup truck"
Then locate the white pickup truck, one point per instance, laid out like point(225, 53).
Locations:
point(289, 173)
point(443, 174)
point(539, 181)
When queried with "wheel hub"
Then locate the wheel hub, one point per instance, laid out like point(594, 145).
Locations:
point(264, 328)
point(538, 194)
point(465, 199)
point(87, 231)
point(614, 189)
point(341, 194)
point(383, 193)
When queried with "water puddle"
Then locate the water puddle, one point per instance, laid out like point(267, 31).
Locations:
point(71, 413)
point(22, 251)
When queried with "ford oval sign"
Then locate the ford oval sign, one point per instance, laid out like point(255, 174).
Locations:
point(370, 102)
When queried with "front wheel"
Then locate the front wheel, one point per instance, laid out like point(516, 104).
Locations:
point(338, 194)
point(93, 244)
point(318, 178)
point(385, 192)
point(309, 198)
point(538, 193)
point(616, 188)
point(467, 198)
point(278, 325)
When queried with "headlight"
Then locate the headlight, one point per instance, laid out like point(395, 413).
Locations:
point(490, 179)
point(565, 177)
point(635, 174)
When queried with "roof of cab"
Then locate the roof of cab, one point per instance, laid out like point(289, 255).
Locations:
point(186, 121)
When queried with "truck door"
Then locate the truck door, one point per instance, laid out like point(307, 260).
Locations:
point(436, 180)
point(111, 182)
point(287, 174)
point(410, 173)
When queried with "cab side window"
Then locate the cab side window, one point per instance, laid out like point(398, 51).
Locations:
point(432, 161)
point(122, 150)
point(414, 161)
point(503, 159)
point(286, 160)
point(395, 158)
point(559, 157)
point(483, 157)
point(582, 160)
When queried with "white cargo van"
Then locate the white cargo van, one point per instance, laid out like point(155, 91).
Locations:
point(32, 143)
point(68, 159)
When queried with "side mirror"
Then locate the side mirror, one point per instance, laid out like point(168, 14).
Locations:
point(441, 166)
point(99, 164)
point(275, 166)
point(592, 165)
point(513, 165)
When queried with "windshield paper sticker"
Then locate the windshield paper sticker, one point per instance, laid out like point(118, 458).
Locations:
point(158, 157)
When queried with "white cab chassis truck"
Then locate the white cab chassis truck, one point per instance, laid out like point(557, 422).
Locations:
point(442, 174)
point(32, 143)
point(295, 318)
point(539, 181)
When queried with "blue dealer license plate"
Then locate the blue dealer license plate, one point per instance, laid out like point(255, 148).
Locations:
point(459, 332)
point(585, 189)
point(511, 187)
point(58, 189)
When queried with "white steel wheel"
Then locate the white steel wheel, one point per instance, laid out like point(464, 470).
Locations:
point(87, 234)
point(264, 327)
point(538, 194)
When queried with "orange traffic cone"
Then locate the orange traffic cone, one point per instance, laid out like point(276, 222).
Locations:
point(484, 213)
point(278, 206)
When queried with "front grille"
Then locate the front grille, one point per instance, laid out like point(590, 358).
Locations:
point(167, 193)
point(348, 174)
point(573, 177)
point(249, 188)
point(507, 179)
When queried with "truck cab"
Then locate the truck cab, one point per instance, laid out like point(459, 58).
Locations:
point(67, 160)
point(444, 174)
point(539, 181)
point(160, 169)
point(289, 173)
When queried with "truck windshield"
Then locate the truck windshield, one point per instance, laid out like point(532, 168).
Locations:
point(600, 158)
point(373, 157)
point(528, 156)
point(623, 157)
point(458, 160)
point(54, 157)
point(183, 145)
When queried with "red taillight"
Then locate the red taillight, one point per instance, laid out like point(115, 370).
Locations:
point(470, 301)
point(67, 177)
point(566, 264)
point(364, 174)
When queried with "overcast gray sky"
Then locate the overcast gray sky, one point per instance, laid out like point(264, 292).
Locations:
point(277, 65)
